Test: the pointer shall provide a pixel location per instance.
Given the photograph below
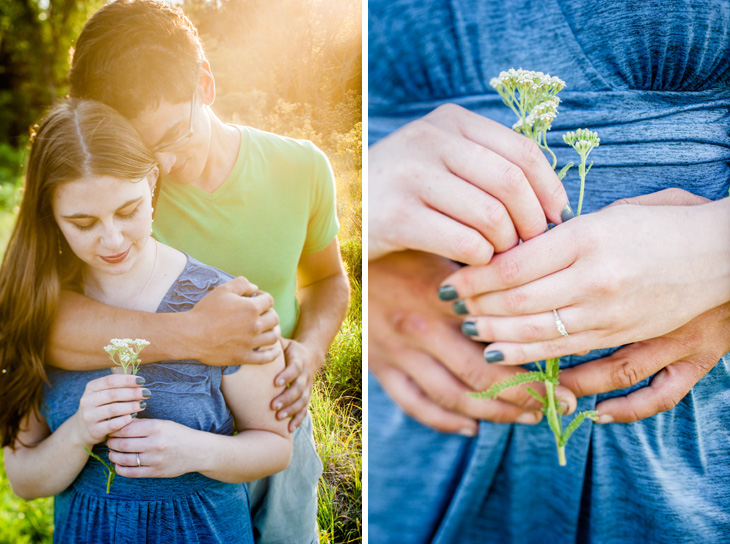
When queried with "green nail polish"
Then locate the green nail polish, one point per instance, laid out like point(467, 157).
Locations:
point(146, 393)
point(142, 404)
point(447, 292)
point(140, 380)
point(567, 213)
point(460, 307)
point(469, 328)
point(494, 356)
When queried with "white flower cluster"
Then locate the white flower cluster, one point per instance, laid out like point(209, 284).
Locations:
point(582, 140)
point(523, 79)
point(544, 113)
point(127, 350)
point(531, 95)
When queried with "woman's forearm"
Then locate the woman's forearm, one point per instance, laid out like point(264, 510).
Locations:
point(50, 466)
point(245, 457)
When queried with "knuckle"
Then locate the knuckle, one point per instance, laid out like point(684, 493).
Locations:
point(530, 154)
point(513, 179)
point(624, 374)
point(666, 404)
point(552, 349)
point(514, 301)
point(448, 110)
point(492, 212)
point(418, 130)
point(531, 332)
point(471, 246)
point(508, 270)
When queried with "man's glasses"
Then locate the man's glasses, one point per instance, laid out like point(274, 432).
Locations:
point(182, 139)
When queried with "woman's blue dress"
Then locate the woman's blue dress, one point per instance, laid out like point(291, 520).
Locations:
point(191, 508)
point(653, 79)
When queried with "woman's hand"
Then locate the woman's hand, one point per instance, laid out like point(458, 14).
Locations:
point(107, 406)
point(621, 275)
point(461, 186)
point(166, 449)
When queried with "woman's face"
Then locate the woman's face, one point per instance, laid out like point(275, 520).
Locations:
point(106, 220)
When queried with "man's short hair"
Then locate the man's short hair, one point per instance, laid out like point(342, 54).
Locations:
point(132, 54)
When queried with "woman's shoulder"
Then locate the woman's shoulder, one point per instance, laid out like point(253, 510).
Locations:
point(194, 282)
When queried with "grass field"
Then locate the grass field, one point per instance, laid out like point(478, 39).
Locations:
point(335, 406)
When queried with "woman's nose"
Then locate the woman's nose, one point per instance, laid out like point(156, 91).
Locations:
point(112, 237)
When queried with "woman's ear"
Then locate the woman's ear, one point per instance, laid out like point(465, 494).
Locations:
point(152, 179)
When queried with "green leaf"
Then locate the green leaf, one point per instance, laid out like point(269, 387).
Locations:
point(535, 394)
point(589, 168)
point(564, 170)
point(577, 420)
point(512, 381)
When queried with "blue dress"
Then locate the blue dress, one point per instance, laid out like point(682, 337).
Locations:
point(191, 508)
point(653, 79)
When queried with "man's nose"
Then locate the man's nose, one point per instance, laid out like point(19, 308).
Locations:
point(166, 162)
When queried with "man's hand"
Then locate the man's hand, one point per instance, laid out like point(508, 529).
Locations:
point(422, 360)
point(230, 324)
point(298, 376)
point(681, 358)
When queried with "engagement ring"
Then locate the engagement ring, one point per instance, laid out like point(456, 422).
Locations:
point(559, 324)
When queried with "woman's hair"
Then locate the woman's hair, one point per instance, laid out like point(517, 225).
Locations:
point(77, 139)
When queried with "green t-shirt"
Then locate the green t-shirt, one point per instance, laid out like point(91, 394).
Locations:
point(277, 204)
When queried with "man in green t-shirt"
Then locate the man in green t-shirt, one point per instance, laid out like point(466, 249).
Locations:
point(251, 203)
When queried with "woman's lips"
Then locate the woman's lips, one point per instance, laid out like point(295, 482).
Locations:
point(114, 259)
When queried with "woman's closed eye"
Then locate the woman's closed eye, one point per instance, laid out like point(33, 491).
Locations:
point(123, 216)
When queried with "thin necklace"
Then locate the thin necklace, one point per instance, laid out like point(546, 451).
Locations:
point(152, 274)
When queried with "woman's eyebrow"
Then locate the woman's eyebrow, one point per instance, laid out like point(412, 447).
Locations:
point(86, 216)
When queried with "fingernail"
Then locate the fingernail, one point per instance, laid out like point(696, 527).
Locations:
point(284, 415)
point(469, 328)
point(605, 418)
point(134, 415)
point(280, 382)
point(142, 404)
point(529, 418)
point(146, 393)
point(468, 432)
point(140, 380)
point(564, 407)
point(460, 307)
point(447, 292)
point(494, 356)
point(567, 213)
point(278, 406)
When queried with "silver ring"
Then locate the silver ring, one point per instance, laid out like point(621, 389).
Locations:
point(139, 463)
point(559, 324)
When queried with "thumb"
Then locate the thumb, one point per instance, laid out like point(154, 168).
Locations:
point(240, 286)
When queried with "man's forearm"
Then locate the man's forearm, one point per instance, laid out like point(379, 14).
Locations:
point(323, 307)
point(84, 326)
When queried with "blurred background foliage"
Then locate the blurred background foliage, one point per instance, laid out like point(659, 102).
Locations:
point(292, 67)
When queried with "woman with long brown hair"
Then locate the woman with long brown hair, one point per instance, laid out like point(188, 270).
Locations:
point(84, 224)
